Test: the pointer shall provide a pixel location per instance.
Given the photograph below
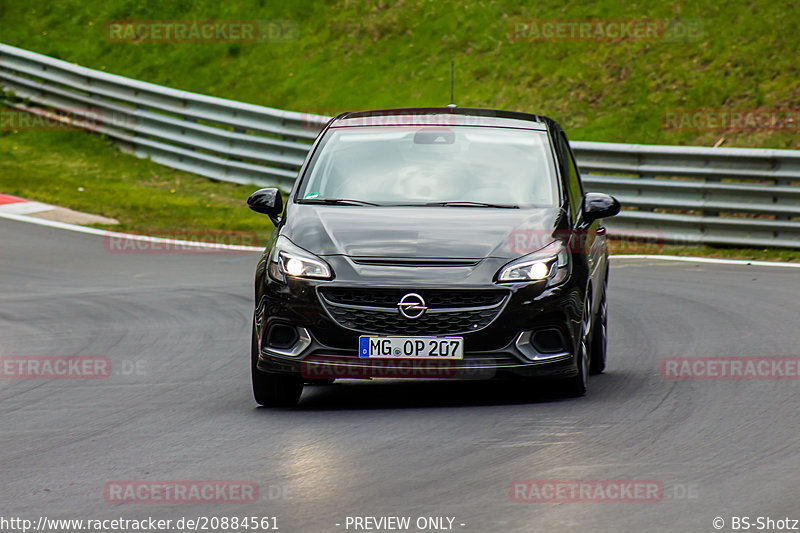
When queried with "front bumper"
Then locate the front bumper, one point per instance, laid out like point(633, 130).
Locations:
point(498, 346)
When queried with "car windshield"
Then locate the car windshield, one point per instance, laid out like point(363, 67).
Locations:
point(466, 166)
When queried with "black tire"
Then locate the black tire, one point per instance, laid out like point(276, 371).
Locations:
point(273, 390)
point(575, 386)
point(600, 337)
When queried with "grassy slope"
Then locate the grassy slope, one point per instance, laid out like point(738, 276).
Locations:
point(355, 54)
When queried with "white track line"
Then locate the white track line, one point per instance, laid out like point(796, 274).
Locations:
point(116, 235)
point(144, 238)
point(714, 260)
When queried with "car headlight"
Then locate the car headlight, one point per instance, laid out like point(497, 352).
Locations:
point(288, 259)
point(550, 264)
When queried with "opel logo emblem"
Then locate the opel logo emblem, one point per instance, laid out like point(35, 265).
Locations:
point(412, 306)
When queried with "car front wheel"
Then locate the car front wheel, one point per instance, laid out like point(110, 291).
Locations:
point(269, 389)
point(576, 385)
point(600, 337)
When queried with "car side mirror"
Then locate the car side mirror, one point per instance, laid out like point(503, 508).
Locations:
point(267, 202)
point(597, 205)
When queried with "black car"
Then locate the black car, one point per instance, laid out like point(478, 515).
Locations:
point(432, 243)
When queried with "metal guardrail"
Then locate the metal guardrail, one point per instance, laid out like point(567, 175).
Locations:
point(213, 137)
point(729, 196)
point(687, 194)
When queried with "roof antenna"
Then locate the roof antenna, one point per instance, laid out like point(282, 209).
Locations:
point(452, 78)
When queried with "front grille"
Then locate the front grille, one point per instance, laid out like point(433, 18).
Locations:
point(449, 311)
point(413, 262)
point(434, 298)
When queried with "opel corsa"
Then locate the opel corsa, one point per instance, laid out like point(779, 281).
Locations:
point(432, 243)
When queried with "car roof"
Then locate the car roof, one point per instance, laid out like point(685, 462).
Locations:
point(444, 116)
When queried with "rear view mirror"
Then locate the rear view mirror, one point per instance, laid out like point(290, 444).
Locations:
point(598, 205)
point(268, 202)
point(435, 136)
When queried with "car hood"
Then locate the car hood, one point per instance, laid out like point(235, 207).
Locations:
point(420, 232)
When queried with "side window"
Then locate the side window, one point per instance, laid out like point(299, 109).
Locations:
point(575, 189)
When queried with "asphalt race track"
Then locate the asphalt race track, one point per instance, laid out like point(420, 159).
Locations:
point(178, 405)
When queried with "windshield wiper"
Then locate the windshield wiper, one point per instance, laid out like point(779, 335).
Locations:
point(335, 201)
point(465, 204)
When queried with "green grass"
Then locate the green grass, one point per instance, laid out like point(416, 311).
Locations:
point(358, 54)
point(88, 174)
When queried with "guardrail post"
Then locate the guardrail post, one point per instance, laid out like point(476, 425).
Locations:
point(708, 212)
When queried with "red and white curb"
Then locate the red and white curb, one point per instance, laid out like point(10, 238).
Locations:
point(14, 208)
point(20, 206)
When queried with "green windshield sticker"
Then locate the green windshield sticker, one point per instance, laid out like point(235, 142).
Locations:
point(311, 195)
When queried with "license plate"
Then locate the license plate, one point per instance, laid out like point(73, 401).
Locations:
point(394, 347)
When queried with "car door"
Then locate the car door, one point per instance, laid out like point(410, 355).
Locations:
point(588, 239)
